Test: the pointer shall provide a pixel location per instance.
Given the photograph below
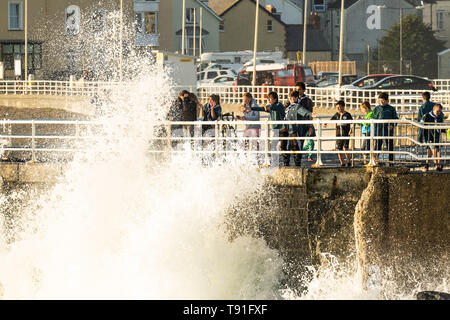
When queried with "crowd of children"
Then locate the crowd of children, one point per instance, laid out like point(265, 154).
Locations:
point(294, 137)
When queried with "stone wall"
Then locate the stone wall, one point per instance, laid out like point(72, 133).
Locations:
point(402, 228)
point(390, 218)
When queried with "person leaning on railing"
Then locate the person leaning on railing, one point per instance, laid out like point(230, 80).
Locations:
point(384, 111)
point(250, 113)
point(365, 127)
point(425, 108)
point(433, 135)
point(296, 112)
point(211, 111)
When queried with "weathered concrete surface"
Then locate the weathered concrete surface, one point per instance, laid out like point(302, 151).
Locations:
point(74, 104)
point(30, 172)
point(395, 215)
point(402, 227)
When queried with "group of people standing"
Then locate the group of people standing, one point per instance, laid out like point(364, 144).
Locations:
point(299, 107)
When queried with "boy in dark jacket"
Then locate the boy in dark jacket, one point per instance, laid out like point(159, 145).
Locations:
point(188, 112)
point(342, 130)
point(382, 112)
point(296, 112)
point(433, 135)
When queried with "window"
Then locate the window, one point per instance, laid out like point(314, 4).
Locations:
point(440, 19)
point(212, 75)
point(222, 26)
point(15, 15)
point(98, 19)
point(11, 50)
point(319, 5)
point(190, 15)
point(269, 26)
point(146, 22)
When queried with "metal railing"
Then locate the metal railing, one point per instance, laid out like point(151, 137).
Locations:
point(59, 140)
point(404, 100)
point(407, 148)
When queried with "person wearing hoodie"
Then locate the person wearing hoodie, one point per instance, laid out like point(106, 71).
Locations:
point(250, 110)
point(296, 111)
point(425, 108)
point(384, 111)
point(365, 127)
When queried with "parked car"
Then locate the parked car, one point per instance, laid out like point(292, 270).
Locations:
point(208, 76)
point(367, 80)
point(403, 82)
point(331, 80)
point(275, 74)
point(324, 74)
point(221, 85)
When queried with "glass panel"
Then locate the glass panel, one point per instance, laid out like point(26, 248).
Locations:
point(150, 22)
point(14, 15)
point(37, 48)
point(7, 48)
point(17, 48)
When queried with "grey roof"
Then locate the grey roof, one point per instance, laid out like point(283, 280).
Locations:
point(315, 40)
point(220, 6)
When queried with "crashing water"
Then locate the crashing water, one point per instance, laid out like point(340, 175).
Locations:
point(123, 225)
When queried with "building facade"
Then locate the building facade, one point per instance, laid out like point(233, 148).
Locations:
point(238, 28)
point(365, 23)
point(437, 14)
point(68, 37)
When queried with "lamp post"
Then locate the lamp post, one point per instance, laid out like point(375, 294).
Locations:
point(401, 34)
point(183, 26)
point(341, 43)
point(255, 46)
point(26, 40)
point(304, 31)
point(121, 42)
point(195, 32)
point(201, 26)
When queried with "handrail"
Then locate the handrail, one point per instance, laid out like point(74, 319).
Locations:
point(323, 97)
point(79, 137)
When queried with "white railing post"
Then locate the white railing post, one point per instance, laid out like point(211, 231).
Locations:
point(216, 138)
point(33, 141)
point(372, 161)
point(267, 144)
point(319, 162)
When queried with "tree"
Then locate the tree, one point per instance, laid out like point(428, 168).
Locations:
point(420, 48)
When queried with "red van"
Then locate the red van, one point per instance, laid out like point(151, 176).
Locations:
point(276, 74)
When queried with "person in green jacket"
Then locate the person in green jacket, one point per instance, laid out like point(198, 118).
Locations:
point(384, 111)
point(365, 127)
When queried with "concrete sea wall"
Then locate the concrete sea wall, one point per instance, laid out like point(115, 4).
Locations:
point(387, 222)
point(394, 223)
